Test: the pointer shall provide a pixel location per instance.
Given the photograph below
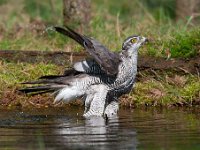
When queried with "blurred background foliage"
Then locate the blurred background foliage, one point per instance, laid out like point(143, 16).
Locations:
point(51, 10)
point(22, 23)
point(161, 8)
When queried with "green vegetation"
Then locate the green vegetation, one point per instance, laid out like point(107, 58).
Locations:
point(21, 72)
point(23, 27)
point(13, 74)
point(185, 44)
point(167, 91)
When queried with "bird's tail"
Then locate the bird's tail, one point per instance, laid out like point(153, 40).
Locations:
point(45, 84)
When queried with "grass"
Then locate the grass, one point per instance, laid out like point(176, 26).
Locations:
point(23, 27)
point(167, 91)
point(12, 74)
point(27, 30)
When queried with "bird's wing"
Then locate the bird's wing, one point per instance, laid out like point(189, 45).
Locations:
point(107, 60)
point(89, 66)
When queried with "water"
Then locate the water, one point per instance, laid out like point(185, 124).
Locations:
point(153, 129)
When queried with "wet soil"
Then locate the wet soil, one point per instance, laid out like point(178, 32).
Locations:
point(190, 65)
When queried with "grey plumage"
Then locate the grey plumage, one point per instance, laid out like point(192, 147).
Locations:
point(101, 80)
point(102, 56)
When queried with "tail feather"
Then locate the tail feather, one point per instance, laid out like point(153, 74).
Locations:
point(44, 86)
point(39, 82)
point(41, 89)
point(51, 76)
point(51, 81)
point(36, 89)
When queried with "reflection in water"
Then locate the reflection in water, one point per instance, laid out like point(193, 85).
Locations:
point(98, 132)
point(60, 131)
point(64, 129)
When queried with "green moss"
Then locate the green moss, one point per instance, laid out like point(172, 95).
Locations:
point(190, 91)
point(13, 74)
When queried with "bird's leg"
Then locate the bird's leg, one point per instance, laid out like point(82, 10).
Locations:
point(98, 103)
point(88, 100)
point(111, 109)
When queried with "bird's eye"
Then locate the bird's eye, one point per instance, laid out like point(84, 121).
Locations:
point(133, 40)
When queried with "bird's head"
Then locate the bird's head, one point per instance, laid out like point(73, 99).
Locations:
point(133, 42)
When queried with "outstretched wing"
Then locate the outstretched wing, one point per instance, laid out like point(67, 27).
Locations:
point(107, 60)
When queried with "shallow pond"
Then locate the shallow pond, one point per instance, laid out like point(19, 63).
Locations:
point(133, 129)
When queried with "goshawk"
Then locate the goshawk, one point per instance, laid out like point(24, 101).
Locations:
point(101, 79)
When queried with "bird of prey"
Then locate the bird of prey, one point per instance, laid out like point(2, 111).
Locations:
point(101, 79)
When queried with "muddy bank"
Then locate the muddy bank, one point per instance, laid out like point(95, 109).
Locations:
point(191, 65)
point(157, 73)
point(13, 98)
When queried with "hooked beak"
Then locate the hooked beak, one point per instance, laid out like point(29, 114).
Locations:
point(144, 40)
